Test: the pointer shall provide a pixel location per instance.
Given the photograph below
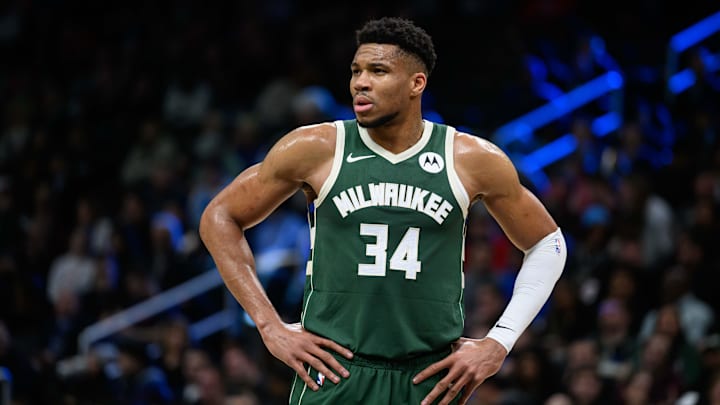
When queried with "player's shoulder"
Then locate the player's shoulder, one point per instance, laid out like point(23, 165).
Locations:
point(320, 134)
point(302, 150)
point(482, 166)
point(469, 146)
point(308, 140)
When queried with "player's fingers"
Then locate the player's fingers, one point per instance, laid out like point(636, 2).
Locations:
point(318, 365)
point(451, 393)
point(453, 390)
point(334, 347)
point(305, 376)
point(331, 361)
point(442, 386)
point(432, 370)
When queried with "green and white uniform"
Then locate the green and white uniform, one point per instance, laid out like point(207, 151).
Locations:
point(387, 230)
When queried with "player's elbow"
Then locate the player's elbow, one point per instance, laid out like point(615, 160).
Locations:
point(209, 220)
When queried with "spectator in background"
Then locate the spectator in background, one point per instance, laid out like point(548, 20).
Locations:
point(137, 286)
point(695, 256)
point(140, 382)
point(314, 104)
point(531, 380)
point(42, 229)
point(194, 361)
point(585, 387)
point(590, 258)
point(210, 142)
point(72, 273)
point(273, 105)
point(702, 215)
point(710, 364)
point(623, 285)
point(655, 358)
point(582, 353)
point(568, 318)
point(166, 189)
point(615, 341)
point(173, 341)
point(248, 143)
point(19, 368)
point(488, 305)
point(131, 241)
point(104, 298)
point(166, 235)
point(683, 356)
point(210, 386)
point(636, 391)
point(152, 149)
point(97, 227)
point(589, 151)
point(16, 135)
point(89, 377)
point(241, 372)
point(187, 98)
point(656, 219)
point(711, 394)
point(62, 330)
point(633, 154)
point(695, 316)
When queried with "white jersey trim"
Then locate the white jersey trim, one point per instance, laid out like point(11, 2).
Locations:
point(396, 158)
point(309, 264)
point(302, 394)
point(337, 163)
point(309, 269)
point(455, 184)
point(292, 389)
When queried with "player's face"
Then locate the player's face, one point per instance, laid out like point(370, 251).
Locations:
point(380, 84)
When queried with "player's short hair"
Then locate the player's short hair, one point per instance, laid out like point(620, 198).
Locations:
point(401, 32)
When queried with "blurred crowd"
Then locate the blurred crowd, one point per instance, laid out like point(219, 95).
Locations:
point(119, 122)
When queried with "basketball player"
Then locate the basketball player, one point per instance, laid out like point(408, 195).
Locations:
point(389, 195)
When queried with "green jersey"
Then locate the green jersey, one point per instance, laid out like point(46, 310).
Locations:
point(387, 233)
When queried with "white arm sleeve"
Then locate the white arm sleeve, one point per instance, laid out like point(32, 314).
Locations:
point(538, 274)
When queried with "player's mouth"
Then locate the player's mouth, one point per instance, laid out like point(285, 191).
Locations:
point(362, 104)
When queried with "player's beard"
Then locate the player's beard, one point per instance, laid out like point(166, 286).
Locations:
point(378, 122)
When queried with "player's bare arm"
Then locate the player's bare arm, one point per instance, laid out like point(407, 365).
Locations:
point(490, 177)
point(303, 158)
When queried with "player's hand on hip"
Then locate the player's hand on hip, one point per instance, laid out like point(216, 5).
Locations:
point(470, 363)
point(296, 347)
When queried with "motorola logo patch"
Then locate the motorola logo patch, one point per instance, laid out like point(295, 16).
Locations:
point(431, 162)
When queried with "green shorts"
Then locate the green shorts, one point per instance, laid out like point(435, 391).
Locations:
point(372, 382)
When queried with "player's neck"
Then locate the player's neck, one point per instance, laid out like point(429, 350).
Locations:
point(400, 136)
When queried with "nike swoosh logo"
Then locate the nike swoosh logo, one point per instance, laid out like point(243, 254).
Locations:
point(503, 327)
point(351, 159)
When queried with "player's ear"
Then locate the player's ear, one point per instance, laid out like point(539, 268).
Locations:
point(417, 84)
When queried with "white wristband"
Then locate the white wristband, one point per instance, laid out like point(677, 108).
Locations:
point(538, 274)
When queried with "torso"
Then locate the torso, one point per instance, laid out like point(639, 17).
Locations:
point(385, 278)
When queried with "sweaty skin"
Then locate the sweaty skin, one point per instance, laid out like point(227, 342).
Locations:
point(386, 86)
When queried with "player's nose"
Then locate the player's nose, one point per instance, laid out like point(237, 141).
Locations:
point(361, 82)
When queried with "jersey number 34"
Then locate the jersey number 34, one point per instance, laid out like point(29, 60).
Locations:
point(404, 258)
